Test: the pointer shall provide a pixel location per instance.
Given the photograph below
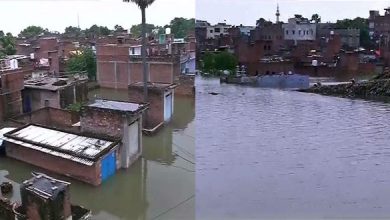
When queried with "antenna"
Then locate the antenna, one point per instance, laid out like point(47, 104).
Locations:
point(78, 20)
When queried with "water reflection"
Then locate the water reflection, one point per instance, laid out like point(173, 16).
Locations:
point(161, 184)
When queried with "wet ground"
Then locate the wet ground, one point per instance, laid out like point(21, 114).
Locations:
point(161, 185)
point(273, 154)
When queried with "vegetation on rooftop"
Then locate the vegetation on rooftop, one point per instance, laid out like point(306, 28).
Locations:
point(75, 107)
point(85, 61)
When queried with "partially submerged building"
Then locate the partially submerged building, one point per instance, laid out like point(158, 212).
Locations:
point(119, 65)
point(107, 137)
point(119, 119)
point(50, 91)
point(161, 100)
point(42, 197)
point(88, 158)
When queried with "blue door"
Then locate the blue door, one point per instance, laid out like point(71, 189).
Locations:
point(108, 166)
point(26, 104)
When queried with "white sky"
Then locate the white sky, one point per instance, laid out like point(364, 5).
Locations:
point(55, 15)
point(246, 12)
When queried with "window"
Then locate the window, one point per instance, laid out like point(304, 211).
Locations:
point(47, 103)
point(286, 32)
point(269, 47)
point(211, 31)
point(217, 30)
point(299, 32)
point(293, 32)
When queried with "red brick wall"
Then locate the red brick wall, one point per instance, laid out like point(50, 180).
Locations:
point(88, 174)
point(51, 117)
point(186, 86)
point(129, 69)
point(101, 122)
point(54, 61)
point(161, 73)
point(136, 72)
point(155, 114)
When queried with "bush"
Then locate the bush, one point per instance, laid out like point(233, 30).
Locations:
point(216, 63)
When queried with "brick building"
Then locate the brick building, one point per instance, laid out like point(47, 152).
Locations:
point(88, 158)
point(11, 86)
point(119, 65)
point(48, 91)
point(118, 119)
point(161, 100)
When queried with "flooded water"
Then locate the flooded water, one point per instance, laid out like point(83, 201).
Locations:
point(272, 154)
point(161, 185)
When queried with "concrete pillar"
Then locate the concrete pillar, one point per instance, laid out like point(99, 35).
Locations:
point(124, 150)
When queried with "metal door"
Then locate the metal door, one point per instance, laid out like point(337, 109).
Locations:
point(108, 167)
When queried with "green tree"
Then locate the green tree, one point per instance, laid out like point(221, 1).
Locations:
point(215, 62)
point(119, 28)
point(32, 31)
point(143, 4)
point(95, 31)
point(316, 18)
point(181, 26)
point(85, 61)
point(136, 30)
point(73, 31)
point(7, 45)
point(358, 23)
point(262, 22)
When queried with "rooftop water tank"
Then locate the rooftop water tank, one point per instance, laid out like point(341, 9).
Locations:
point(167, 30)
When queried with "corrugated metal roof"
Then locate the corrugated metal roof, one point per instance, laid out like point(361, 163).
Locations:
point(80, 148)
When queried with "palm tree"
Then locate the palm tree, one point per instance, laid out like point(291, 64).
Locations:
point(143, 4)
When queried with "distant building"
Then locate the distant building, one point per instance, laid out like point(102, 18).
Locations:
point(298, 29)
point(217, 30)
point(350, 37)
point(11, 85)
point(379, 30)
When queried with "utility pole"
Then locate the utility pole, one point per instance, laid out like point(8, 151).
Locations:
point(78, 21)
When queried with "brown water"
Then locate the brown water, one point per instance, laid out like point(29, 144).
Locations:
point(273, 154)
point(160, 185)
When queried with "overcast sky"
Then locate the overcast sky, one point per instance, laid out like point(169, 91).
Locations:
point(55, 15)
point(246, 12)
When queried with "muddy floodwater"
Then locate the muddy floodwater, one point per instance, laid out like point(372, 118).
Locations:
point(273, 154)
point(160, 185)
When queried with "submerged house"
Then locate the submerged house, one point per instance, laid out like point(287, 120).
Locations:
point(83, 157)
point(122, 120)
point(161, 100)
point(49, 91)
point(109, 137)
point(41, 197)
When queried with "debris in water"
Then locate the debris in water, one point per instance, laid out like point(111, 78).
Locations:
point(6, 187)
